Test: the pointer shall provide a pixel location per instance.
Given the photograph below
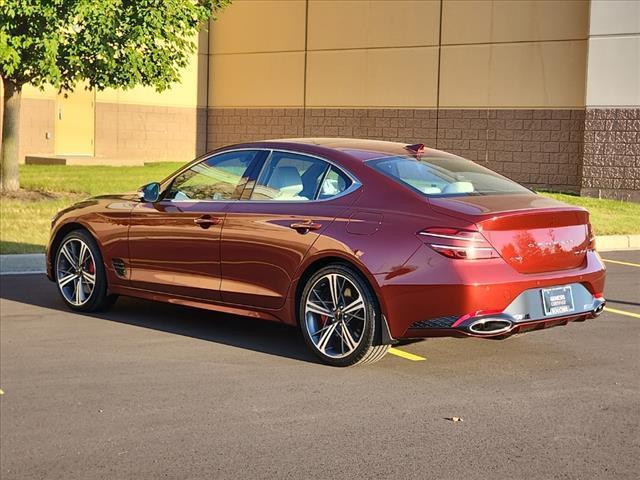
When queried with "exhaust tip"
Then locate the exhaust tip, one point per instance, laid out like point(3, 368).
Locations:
point(599, 309)
point(490, 326)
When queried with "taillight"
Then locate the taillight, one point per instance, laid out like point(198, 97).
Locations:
point(458, 244)
point(590, 237)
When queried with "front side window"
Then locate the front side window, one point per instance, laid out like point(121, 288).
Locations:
point(445, 176)
point(218, 178)
point(289, 176)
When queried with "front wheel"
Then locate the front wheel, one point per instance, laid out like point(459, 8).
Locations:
point(338, 317)
point(80, 273)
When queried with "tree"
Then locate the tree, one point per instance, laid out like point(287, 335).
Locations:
point(105, 43)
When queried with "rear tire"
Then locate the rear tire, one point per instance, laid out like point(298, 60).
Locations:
point(338, 315)
point(80, 275)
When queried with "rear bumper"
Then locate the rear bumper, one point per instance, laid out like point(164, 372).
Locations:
point(441, 290)
point(499, 324)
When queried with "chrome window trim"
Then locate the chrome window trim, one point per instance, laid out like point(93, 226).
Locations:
point(355, 185)
point(322, 180)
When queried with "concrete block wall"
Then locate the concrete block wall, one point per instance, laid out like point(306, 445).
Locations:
point(149, 132)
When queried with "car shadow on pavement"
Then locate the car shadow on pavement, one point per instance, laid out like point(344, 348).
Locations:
point(622, 302)
point(257, 335)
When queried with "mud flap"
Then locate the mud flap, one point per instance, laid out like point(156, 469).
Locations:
point(383, 334)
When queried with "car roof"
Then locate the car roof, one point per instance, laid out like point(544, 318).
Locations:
point(362, 149)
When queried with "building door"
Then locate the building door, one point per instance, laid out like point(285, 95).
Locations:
point(75, 122)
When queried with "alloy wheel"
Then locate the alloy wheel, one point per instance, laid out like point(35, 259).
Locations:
point(75, 271)
point(335, 315)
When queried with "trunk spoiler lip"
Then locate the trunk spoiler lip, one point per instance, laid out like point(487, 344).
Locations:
point(533, 219)
point(487, 220)
point(462, 207)
point(569, 209)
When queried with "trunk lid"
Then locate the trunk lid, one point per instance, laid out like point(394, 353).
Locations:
point(533, 234)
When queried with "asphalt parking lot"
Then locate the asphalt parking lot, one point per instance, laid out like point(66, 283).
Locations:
point(158, 391)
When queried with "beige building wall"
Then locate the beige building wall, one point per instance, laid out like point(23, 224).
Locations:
point(142, 124)
point(257, 65)
point(502, 21)
point(373, 78)
point(257, 54)
point(372, 53)
point(321, 53)
point(130, 126)
point(503, 83)
point(514, 75)
point(513, 53)
point(350, 24)
point(385, 53)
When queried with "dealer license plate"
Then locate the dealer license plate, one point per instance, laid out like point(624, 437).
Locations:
point(557, 301)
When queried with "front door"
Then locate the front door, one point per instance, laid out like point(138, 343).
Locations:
point(75, 122)
point(266, 237)
point(174, 244)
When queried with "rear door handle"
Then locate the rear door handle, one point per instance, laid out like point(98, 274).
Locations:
point(304, 227)
point(206, 221)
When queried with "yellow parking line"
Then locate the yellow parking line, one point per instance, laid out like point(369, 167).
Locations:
point(621, 312)
point(406, 355)
point(628, 264)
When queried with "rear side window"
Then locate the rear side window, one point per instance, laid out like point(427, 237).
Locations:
point(445, 176)
point(295, 177)
point(335, 182)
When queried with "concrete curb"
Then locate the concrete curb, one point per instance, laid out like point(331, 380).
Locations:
point(609, 243)
point(35, 262)
point(22, 263)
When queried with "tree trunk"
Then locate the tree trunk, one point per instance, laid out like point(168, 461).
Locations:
point(9, 178)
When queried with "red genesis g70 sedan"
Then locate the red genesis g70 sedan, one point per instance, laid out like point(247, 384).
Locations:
point(358, 242)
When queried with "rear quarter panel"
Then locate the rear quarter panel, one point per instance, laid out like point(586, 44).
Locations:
point(378, 235)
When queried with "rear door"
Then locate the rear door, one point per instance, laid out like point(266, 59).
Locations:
point(174, 244)
point(267, 234)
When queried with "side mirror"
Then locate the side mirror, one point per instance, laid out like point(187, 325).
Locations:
point(149, 192)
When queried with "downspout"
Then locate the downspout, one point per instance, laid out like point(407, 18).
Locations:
point(304, 76)
point(206, 95)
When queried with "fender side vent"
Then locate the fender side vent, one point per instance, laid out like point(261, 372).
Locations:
point(119, 267)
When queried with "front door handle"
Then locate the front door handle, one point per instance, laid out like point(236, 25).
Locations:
point(304, 227)
point(206, 221)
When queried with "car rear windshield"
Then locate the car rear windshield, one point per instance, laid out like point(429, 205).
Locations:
point(445, 176)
